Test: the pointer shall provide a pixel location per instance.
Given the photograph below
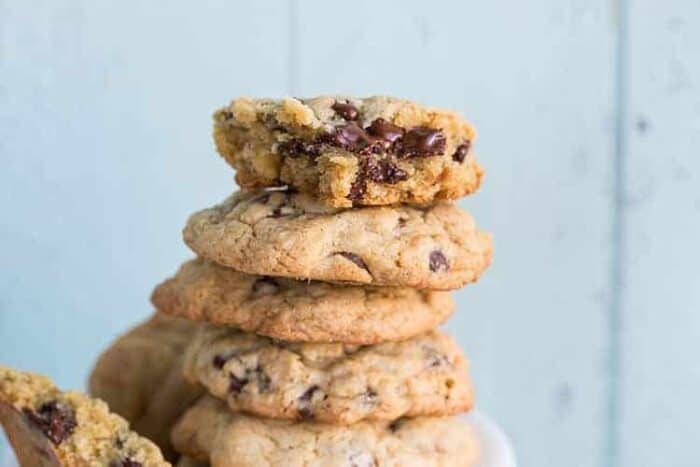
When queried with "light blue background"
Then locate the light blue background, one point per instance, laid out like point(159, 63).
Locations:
point(583, 336)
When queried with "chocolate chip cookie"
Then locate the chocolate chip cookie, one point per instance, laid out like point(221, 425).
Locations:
point(140, 377)
point(291, 310)
point(209, 431)
point(334, 383)
point(349, 151)
point(50, 428)
point(289, 234)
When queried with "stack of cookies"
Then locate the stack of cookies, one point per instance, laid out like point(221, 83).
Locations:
point(311, 309)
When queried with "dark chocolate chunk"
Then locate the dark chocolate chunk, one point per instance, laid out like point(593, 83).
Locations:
point(346, 110)
point(349, 136)
point(357, 189)
point(378, 171)
point(236, 384)
point(297, 147)
point(55, 419)
point(436, 359)
point(396, 424)
point(385, 130)
point(422, 142)
point(262, 379)
point(438, 262)
point(359, 262)
point(126, 462)
point(219, 361)
point(382, 171)
point(305, 413)
point(309, 393)
point(461, 152)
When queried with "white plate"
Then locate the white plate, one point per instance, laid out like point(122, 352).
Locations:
point(495, 448)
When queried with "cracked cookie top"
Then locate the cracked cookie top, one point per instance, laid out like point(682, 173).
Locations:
point(282, 233)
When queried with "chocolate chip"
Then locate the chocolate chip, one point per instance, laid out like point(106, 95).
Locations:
point(369, 397)
point(434, 357)
point(346, 110)
point(126, 462)
point(396, 424)
point(376, 170)
point(262, 379)
point(55, 419)
point(309, 393)
point(438, 262)
point(385, 130)
point(219, 361)
point(265, 286)
point(359, 262)
point(227, 115)
point(461, 152)
point(357, 189)
point(349, 136)
point(383, 171)
point(297, 147)
point(305, 413)
point(236, 384)
point(422, 142)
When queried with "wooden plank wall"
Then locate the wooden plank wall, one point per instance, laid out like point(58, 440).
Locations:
point(582, 336)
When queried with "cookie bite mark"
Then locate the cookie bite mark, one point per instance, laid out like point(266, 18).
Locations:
point(56, 420)
point(236, 384)
point(312, 144)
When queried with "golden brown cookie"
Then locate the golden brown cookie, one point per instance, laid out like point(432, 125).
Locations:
point(333, 383)
point(209, 431)
point(140, 377)
point(349, 151)
point(290, 235)
point(308, 311)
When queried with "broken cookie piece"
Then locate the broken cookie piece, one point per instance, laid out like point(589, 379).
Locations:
point(50, 428)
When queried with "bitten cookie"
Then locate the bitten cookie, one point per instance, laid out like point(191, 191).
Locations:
point(349, 151)
point(286, 234)
point(307, 311)
point(50, 428)
point(334, 383)
point(140, 377)
point(227, 439)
